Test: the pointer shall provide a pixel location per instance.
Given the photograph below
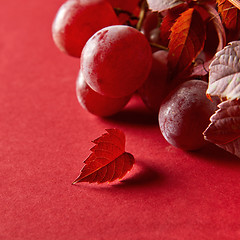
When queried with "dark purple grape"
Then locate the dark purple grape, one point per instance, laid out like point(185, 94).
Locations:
point(184, 115)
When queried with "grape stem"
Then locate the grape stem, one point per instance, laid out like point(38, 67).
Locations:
point(159, 46)
point(144, 8)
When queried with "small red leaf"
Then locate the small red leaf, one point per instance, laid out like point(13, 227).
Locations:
point(224, 129)
point(108, 160)
point(186, 40)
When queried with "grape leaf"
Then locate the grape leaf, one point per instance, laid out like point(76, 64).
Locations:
point(186, 40)
point(168, 21)
point(230, 17)
point(224, 73)
point(224, 129)
point(108, 160)
point(161, 5)
point(229, 14)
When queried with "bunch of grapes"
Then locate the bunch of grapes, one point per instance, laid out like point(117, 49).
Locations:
point(121, 54)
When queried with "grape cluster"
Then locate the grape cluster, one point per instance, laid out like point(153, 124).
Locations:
point(117, 42)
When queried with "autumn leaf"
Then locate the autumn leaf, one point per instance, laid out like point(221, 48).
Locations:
point(224, 130)
point(161, 5)
point(224, 74)
point(230, 16)
point(108, 160)
point(186, 40)
point(168, 21)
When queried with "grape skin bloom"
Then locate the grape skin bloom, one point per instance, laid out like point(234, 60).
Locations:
point(116, 61)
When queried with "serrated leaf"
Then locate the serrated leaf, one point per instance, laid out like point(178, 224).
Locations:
point(224, 74)
point(224, 129)
point(186, 40)
point(168, 21)
point(108, 160)
point(230, 16)
point(161, 5)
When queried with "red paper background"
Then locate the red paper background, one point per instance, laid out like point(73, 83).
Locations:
point(45, 135)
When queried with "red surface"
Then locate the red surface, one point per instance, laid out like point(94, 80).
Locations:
point(45, 135)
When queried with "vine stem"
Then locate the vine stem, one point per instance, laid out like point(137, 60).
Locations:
point(142, 15)
point(159, 46)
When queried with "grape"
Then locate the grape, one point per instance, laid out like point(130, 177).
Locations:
point(77, 20)
point(184, 115)
point(154, 89)
point(116, 61)
point(150, 27)
point(95, 103)
point(155, 36)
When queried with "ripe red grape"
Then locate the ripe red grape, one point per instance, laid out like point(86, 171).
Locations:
point(77, 20)
point(96, 103)
point(184, 115)
point(154, 89)
point(116, 61)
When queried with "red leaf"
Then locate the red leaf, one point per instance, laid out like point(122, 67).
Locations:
point(161, 5)
point(230, 17)
point(224, 129)
point(108, 160)
point(229, 14)
point(186, 40)
point(168, 21)
point(224, 73)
